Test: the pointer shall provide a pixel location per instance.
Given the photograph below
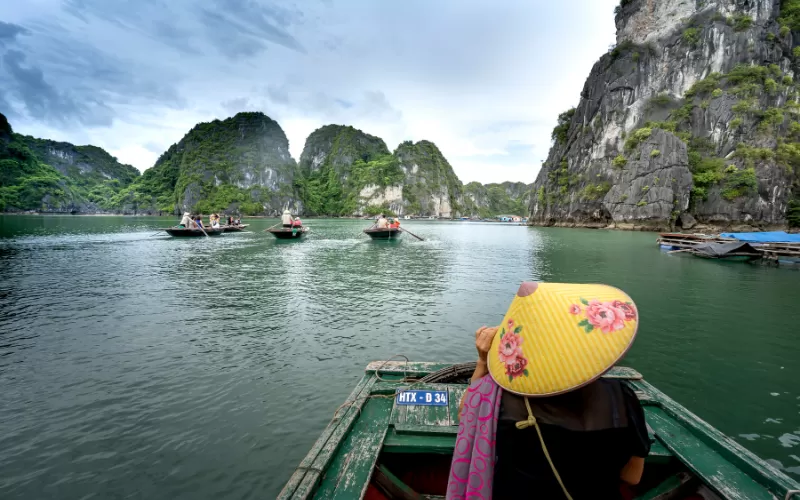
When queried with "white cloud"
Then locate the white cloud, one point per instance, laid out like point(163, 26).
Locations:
point(483, 80)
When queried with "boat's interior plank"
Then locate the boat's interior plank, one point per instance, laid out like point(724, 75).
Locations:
point(672, 488)
point(349, 473)
point(623, 372)
point(414, 368)
point(398, 442)
point(395, 488)
point(427, 430)
point(704, 461)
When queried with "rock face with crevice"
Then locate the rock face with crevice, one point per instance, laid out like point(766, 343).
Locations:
point(714, 82)
point(655, 181)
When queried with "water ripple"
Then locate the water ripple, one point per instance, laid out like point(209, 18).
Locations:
point(145, 366)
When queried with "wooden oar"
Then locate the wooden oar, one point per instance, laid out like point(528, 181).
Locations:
point(409, 232)
point(267, 229)
point(682, 250)
point(201, 228)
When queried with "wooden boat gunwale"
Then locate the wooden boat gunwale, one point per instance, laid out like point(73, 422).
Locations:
point(287, 233)
point(188, 232)
point(341, 462)
point(234, 228)
point(383, 233)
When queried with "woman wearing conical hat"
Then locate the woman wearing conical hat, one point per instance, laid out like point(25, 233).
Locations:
point(186, 221)
point(286, 218)
point(538, 421)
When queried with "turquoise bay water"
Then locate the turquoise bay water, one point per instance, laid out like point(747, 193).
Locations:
point(137, 365)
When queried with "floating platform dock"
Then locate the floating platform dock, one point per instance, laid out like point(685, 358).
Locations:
point(774, 248)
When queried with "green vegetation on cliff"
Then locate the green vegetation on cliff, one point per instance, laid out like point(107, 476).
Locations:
point(559, 134)
point(242, 164)
point(44, 175)
point(490, 200)
point(790, 14)
point(429, 178)
point(26, 182)
point(337, 163)
point(238, 164)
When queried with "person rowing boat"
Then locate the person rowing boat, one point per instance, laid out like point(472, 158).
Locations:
point(286, 219)
point(186, 221)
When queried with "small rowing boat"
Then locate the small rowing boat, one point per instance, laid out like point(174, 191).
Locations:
point(287, 233)
point(393, 438)
point(383, 233)
point(185, 232)
point(233, 229)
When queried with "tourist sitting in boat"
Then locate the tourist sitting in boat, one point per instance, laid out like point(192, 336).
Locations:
point(230, 220)
point(395, 223)
point(186, 221)
point(382, 222)
point(238, 222)
point(214, 220)
point(286, 219)
point(555, 429)
point(198, 222)
point(297, 222)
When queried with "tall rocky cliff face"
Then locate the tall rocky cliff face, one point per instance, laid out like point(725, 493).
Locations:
point(430, 186)
point(337, 163)
point(81, 163)
point(486, 200)
point(241, 164)
point(691, 119)
point(58, 177)
point(344, 171)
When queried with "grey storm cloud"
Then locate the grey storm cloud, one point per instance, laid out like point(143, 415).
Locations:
point(142, 72)
point(39, 82)
point(234, 106)
point(44, 102)
point(10, 31)
point(278, 93)
point(267, 22)
point(235, 28)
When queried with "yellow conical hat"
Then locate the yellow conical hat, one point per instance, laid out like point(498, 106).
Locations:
point(557, 337)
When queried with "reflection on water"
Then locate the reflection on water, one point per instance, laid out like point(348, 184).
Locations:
point(136, 364)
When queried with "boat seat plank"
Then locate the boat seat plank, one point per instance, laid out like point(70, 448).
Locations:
point(401, 442)
point(673, 488)
point(348, 475)
point(704, 461)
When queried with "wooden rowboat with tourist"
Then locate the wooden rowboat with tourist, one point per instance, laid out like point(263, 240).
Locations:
point(383, 233)
point(183, 232)
point(378, 446)
point(288, 233)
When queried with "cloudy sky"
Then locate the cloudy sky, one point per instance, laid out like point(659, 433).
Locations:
point(484, 80)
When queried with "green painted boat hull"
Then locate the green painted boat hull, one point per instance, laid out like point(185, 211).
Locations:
point(372, 444)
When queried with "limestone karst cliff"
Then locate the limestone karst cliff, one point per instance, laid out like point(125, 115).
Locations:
point(691, 119)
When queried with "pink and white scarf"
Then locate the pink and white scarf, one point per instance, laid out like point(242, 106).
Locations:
point(472, 470)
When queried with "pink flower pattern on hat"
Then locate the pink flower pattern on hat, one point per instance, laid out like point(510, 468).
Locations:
point(608, 317)
point(509, 350)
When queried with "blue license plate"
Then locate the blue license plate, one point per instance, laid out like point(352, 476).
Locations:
point(422, 398)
